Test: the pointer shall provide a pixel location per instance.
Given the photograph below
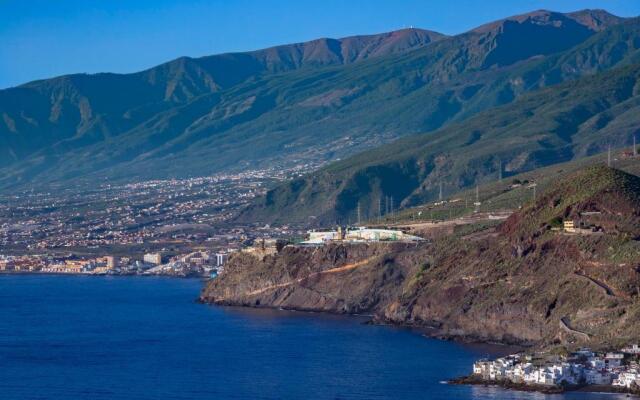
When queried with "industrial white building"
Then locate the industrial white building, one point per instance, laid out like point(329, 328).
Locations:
point(360, 234)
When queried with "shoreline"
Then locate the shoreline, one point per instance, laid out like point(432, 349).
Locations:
point(427, 331)
point(432, 332)
point(523, 387)
point(22, 273)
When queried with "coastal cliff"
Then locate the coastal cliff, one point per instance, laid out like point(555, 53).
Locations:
point(526, 281)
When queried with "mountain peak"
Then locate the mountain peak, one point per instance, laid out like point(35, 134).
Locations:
point(593, 20)
point(538, 33)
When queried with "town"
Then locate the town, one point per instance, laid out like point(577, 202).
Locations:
point(203, 263)
point(179, 215)
point(198, 263)
point(617, 371)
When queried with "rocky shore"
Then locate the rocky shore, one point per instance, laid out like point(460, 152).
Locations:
point(475, 380)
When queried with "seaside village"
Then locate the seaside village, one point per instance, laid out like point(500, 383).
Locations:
point(198, 263)
point(619, 369)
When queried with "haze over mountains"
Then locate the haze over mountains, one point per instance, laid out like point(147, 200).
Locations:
point(326, 99)
point(43, 121)
point(560, 123)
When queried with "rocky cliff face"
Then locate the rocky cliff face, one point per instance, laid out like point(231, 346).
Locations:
point(335, 278)
point(523, 282)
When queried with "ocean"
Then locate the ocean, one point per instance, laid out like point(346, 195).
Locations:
point(81, 337)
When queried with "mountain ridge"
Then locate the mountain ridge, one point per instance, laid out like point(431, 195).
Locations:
point(305, 115)
point(556, 124)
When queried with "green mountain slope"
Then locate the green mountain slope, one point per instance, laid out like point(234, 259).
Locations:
point(556, 124)
point(508, 194)
point(75, 110)
point(295, 104)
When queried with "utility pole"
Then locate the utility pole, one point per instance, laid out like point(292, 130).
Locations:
point(440, 195)
point(477, 203)
point(358, 213)
point(392, 215)
point(500, 169)
point(379, 208)
point(609, 156)
point(535, 185)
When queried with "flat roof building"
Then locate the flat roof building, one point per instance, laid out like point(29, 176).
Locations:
point(153, 258)
point(360, 234)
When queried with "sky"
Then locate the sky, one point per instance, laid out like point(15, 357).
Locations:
point(46, 38)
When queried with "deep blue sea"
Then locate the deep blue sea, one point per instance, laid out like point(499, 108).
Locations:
point(73, 337)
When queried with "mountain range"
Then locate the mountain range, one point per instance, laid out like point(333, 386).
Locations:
point(323, 100)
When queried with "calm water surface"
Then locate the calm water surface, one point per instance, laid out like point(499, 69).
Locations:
point(145, 338)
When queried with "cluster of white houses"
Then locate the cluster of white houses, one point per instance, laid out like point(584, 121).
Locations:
point(582, 367)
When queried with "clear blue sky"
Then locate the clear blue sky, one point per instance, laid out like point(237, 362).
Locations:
point(45, 38)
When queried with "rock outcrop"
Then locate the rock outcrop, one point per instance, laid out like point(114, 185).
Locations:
point(524, 282)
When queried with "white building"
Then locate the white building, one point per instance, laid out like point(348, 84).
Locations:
point(541, 376)
point(320, 237)
point(614, 360)
point(520, 371)
point(370, 234)
point(481, 368)
point(360, 234)
point(633, 349)
point(627, 379)
point(597, 377)
point(153, 258)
